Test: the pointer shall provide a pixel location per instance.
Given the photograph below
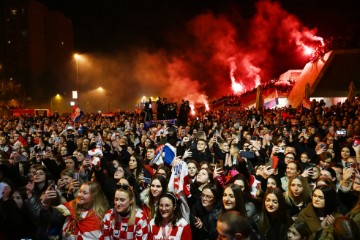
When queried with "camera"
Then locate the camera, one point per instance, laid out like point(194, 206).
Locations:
point(281, 149)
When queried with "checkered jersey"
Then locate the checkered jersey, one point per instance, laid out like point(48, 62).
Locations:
point(121, 230)
point(182, 231)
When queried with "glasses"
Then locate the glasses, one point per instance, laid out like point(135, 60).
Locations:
point(123, 186)
point(206, 197)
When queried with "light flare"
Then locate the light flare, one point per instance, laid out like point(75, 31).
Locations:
point(192, 107)
point(205, 102)
point(308, 50)
point(236, 87)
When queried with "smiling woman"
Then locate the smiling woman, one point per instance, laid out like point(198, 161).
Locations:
point(125, 215)
point(82, 215)
point(168, 222)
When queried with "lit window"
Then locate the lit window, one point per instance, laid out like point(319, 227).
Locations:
point(62, 43)
point(13, 11)
point(9, 42)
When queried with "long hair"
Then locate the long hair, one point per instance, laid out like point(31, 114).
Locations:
point(280, 216)
point(140, 163)
point(239, 200)
point(329, 197)
point(216, 191)
point(132, 206)
point(177, 211)
point(99, 205)
point(304, 197)
point(152, 200)
point(247, 190)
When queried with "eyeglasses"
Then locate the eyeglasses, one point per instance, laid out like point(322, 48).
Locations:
point(206, 197)
point(122, 186)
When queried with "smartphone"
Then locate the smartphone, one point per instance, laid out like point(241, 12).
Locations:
point(77, 176)
point(351, 165)
point(341, 132)
point(147, 180)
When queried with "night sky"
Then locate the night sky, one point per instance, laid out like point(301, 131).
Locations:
point(183, 48)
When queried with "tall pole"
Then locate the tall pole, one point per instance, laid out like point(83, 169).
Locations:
point(77, 79)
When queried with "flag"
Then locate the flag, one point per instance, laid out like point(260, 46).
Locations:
point(164, 154)
point(306, 103)
point(77, 114)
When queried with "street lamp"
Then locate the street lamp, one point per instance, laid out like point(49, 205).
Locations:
point(77, 57)
point(106, 94)
point(57, 97)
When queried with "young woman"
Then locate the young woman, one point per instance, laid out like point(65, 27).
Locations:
point(164, 171)
point(193, 169)
point(136, 165)
point(84, 214)
point(158, 186)
point(232, 199)
point(274, 220)
point(297, 196)
point(203, 177)
point(321, 212)
point(205, 213)
point(168, 222)
point(240, 180)
point(125, 220)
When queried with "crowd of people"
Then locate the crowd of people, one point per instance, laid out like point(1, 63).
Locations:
point(227, 174)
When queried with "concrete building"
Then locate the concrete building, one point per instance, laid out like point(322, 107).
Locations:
point(36, 46)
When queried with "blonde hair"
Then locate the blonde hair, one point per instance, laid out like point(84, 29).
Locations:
point(132, 206)
point(305, 195)
point(100, 204)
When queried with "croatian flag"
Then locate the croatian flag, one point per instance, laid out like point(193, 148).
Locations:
point(164, 154)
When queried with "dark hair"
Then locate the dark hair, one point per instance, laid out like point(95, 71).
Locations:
point(209, 172)
point(247, 190)
point(236, 223)
point(177, 212)
point(329, 197)
point(166, 169)
point(152, 201)
point(239, 199)
point(130, 178)
point(76, 162)
point(280, 216)
point(140, 163)
point(302, 228)
point(215, 191)
point(332, 172)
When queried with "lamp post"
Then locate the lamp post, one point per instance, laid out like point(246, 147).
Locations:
point(57, 97)
point(106, 94)
point(77, 58)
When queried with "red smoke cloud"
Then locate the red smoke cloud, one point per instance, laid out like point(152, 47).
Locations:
point(214, 57)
